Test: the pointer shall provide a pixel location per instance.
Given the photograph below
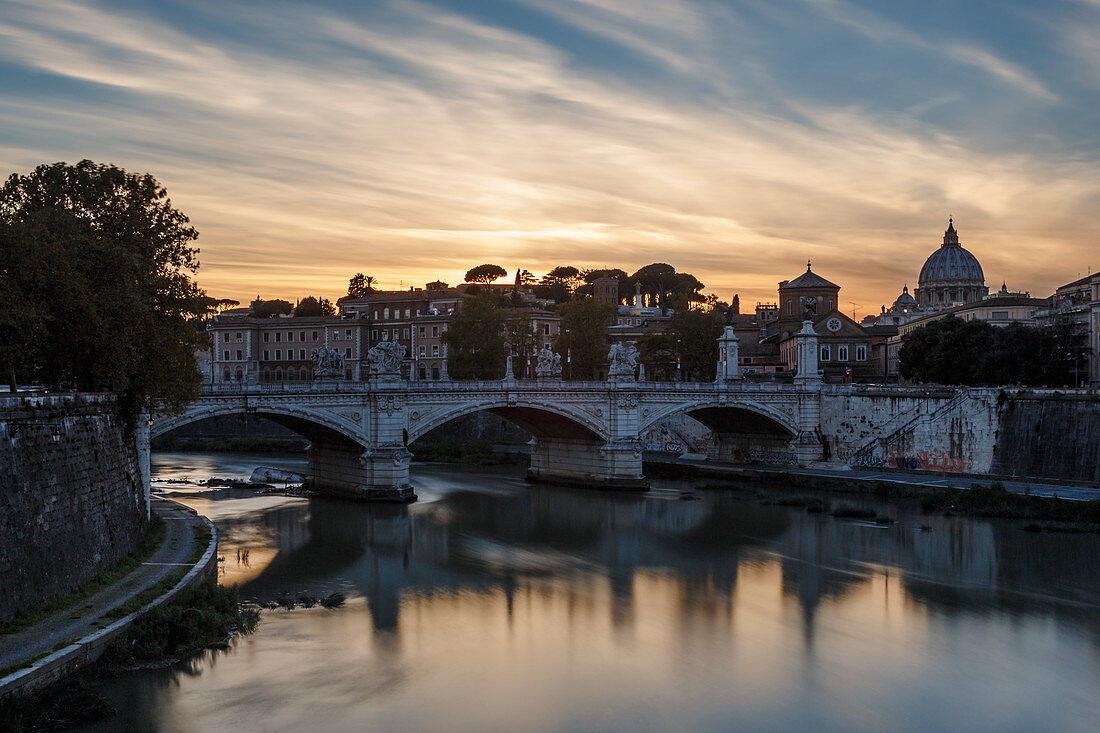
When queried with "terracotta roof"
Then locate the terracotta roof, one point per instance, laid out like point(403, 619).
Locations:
point(809, 279)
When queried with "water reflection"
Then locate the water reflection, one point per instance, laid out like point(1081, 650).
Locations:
point(498, 605)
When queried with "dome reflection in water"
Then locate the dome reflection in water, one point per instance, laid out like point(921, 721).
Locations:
point(493, 605)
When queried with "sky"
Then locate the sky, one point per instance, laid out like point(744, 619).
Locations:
point(413, 139)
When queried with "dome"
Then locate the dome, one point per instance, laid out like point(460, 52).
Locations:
point(905, 300)
point(951, 262)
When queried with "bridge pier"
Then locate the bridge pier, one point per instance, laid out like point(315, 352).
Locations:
point(612, 465)
point(350, 471)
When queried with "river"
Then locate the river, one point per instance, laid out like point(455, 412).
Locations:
point(492, 605)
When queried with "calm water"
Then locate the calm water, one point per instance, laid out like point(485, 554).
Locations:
point(494, 606)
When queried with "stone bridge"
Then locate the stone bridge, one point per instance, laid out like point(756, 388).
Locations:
point(585, 433)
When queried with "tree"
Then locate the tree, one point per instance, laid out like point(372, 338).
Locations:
point(657, 351)
point(485, 274)
point(96, 263)
point(360, 285)
point(582, 338)
point(696, 333)
point(524, 278)
point(522, 340)
point(327, 308)
point(270, 308)
point(626, 290)
point(558, 284)
point(475, 339)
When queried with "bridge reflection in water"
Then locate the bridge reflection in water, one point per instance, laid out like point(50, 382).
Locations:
point(497, 606)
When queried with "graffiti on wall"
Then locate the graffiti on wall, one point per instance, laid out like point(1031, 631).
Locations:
point(764, 456)
point(934, 460)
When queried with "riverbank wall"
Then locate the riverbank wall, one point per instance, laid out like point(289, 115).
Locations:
point(73, 494)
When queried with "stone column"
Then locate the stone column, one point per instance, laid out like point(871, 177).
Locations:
point(729, 368)
point(141, 440)
point(807, 445)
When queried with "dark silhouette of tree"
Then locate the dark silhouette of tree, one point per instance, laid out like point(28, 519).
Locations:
point(558, 284)
point(953, 351)
point(582, 338)
point(95, 276)
point(696, 333)
point(360, 285)
point(270, 308)
point(485, 274)
point(657, 351)
point(522, 341)
point(735, 304)
point(659, 281)
point(475, 338)
point(327, 308)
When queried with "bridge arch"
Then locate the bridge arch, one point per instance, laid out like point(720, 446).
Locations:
point(312, 425)
point(542, 419)
point(730, 416)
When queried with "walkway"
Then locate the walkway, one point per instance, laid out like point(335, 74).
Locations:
point(90, 614)
point(901, 478)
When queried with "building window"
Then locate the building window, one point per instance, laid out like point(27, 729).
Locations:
point(265, 354)
point(999, 316)
point(225, 338)
point(225, 375)
point(546, 329)
point(395, 332)
point(302, 354)
point(278, 354)
point(407, 312)
point(435, 331)
point(385, 335)
point(239, 355)
point(302, 336)
point(405, 333)
point(861, 352)
point(314, 336)
point(420, 332)
point(289, 335)
point(265, 336)
point(825, 353)
point(423, 350)
point(347, 352)
point(304, 374)
point(279, 374)
point(267, 375)
point(239, 375)
point(278, 336)
point(435, 372)
point(291, 374)
point(226, 356)
point(374, 334)
point(347, 334)
point(386, 314)
point(842, 352)
point(790, 307)
point(239, 338)
point(435, 349)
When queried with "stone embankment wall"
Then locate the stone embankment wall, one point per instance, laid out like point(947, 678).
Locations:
point(1055, 435)
point(73, 494)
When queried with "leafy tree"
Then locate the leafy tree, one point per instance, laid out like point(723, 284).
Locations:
point(657, 351)
point(583, 335)
point(485, 274)
point(696, 333)
point(95, 267)
point(360, 285)
point(311, 306)
point(952, 351)
point(558, 284)
point(524, 278)
point(659, 281)
point(475, 339)
point(271, 308)
point(522, 340)
point(735, 304)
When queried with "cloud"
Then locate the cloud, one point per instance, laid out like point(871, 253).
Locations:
point(413, 143)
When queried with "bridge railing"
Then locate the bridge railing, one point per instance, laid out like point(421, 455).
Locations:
point(541, 385)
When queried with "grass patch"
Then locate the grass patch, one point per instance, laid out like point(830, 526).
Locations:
point(204, 617)
point(154, 536)
point(995, 501)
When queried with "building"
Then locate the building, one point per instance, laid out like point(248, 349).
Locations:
point(950, 276)
point(249, 349)
point(1078, 303)
point(844, 345)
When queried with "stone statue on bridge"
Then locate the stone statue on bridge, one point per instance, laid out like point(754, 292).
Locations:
point(549, 364)
point(624, 359)
point(328, 362)
point(809, 308)
point(385, 358)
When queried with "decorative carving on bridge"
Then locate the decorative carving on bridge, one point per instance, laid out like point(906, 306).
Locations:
point(624, 359)
point(414, 415)
point(385, 358)
point(549, 364)
point(628, 402)
point(389, 404)
point(328, 363)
